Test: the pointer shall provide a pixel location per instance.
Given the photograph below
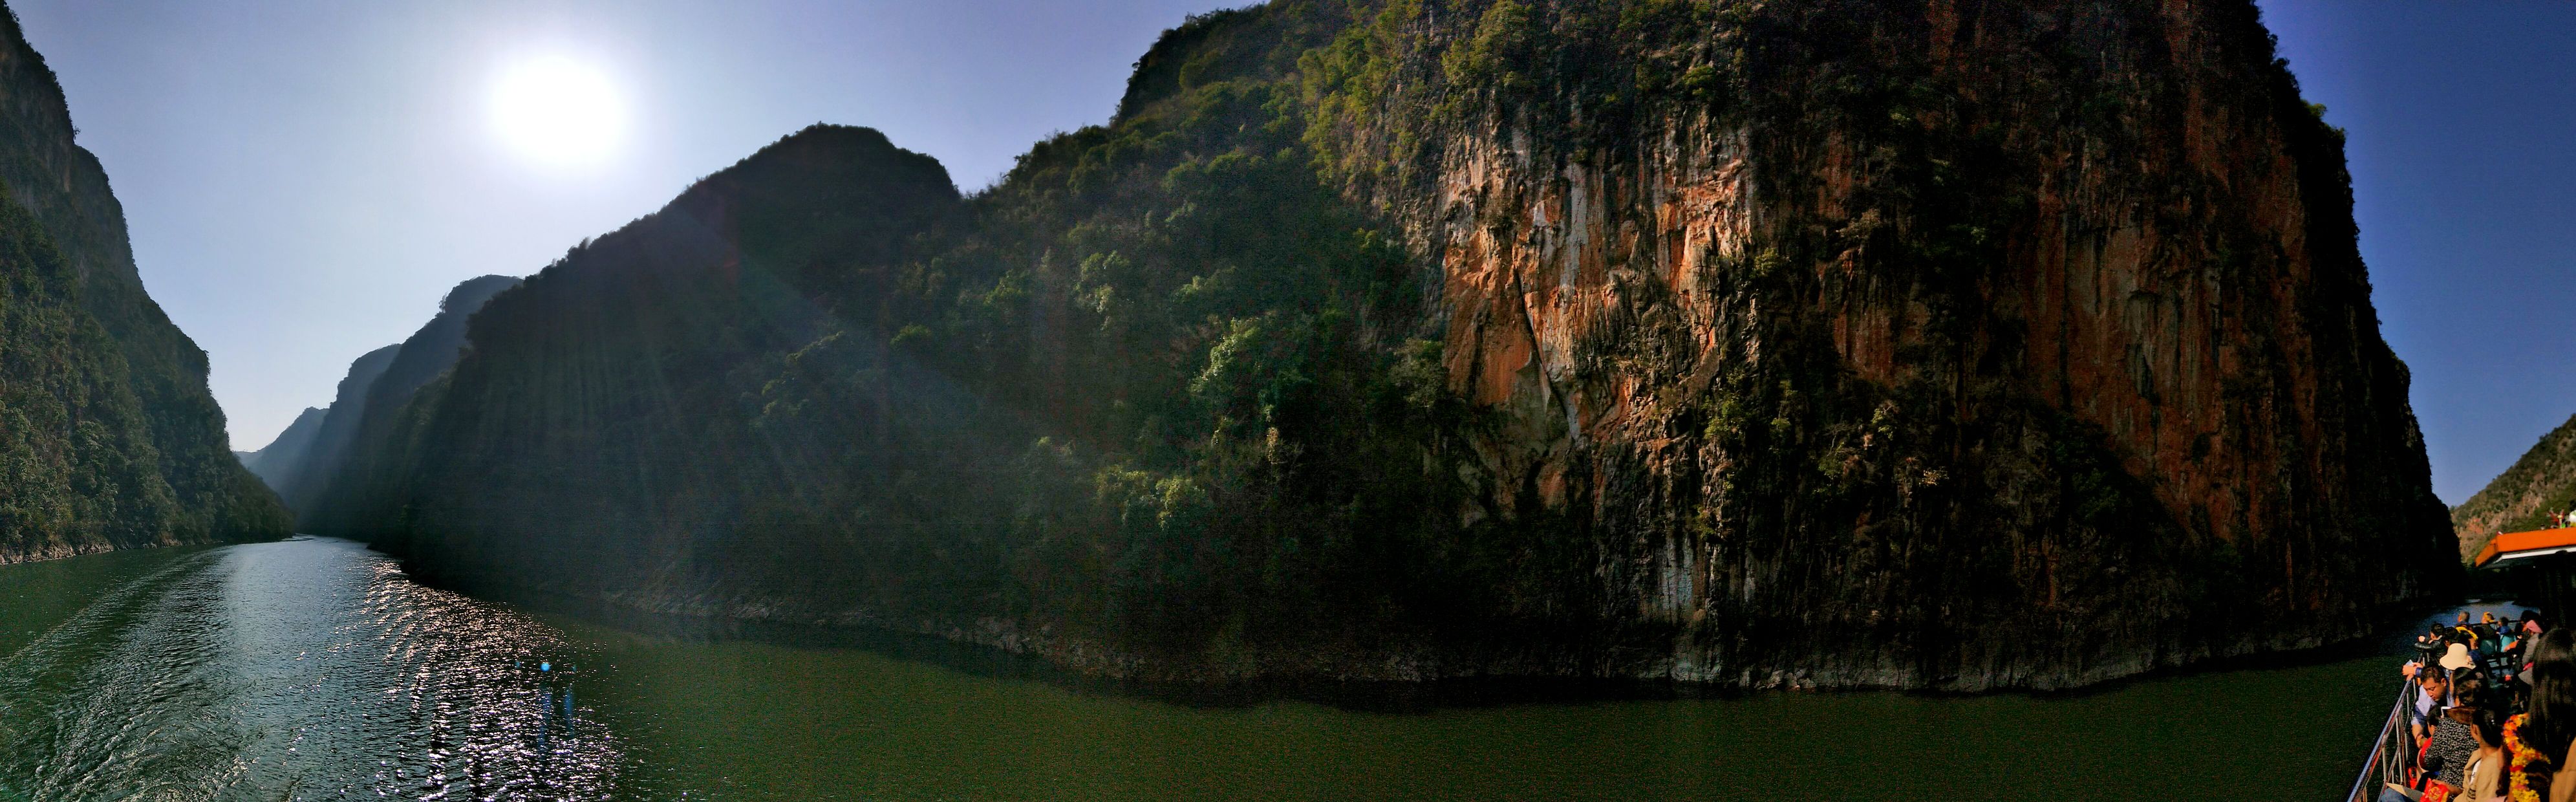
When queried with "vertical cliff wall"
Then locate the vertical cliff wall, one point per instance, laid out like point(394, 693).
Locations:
point(2011, 334)
point(64, 193)
point(1911, 343)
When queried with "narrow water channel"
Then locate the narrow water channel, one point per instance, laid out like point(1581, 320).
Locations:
point(314, 669)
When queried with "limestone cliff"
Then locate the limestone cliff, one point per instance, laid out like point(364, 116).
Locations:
point(1936, 343)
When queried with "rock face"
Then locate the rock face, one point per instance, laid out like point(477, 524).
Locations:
point(137, 454)
point(2029, 339)
point(2539, 485)
point(1944, 345)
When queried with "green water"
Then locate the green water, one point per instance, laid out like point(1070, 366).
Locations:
point(393, 691)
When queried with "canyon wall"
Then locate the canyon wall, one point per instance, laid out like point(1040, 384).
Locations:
point(2030, 339)
point(1924, 344)
point(138, 456)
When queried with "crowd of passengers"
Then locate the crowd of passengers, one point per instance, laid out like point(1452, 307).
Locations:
point(2491, 712)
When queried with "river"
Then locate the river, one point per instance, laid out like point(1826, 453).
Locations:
point(315, 669)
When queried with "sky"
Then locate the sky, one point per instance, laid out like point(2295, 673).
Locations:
point(304, 180)
point(2460, 129)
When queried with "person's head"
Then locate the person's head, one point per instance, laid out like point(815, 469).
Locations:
point(2466, 684)
point(2553, 692)
point(2488, 723)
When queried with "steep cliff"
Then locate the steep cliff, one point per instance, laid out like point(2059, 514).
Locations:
point(203, 493)
point(377, 386)
point(299, 482)
point(2539, 486)
point(1921, 344)
point(2030, 339)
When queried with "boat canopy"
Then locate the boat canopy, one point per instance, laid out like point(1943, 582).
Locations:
point(2512, 546)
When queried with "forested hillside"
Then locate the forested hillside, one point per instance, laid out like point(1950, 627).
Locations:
point(2540, 486)
point(121, 445)
point(1701, 340)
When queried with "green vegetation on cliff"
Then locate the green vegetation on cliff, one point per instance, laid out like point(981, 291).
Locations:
point(158, 376)
point(77, 467)
point(2540, 486)
point(1684, 339)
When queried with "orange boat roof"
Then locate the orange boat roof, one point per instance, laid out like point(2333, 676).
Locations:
point(2528, 544)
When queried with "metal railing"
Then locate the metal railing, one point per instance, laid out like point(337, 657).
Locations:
point(2389, 757)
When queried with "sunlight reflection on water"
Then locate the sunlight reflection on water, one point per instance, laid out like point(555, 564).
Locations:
point(309, 669)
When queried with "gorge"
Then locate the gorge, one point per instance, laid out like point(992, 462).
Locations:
point(1928, 345)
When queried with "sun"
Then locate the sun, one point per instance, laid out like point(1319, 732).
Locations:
point(556, 110)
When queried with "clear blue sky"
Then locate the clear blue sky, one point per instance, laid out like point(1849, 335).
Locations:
point(305, 179)
point(2461, 132)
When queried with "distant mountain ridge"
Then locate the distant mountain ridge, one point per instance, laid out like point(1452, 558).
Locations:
point(306, 458)
point(271, 462)
point(128, 447)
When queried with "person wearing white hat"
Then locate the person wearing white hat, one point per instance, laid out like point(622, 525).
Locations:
point(2458, 657)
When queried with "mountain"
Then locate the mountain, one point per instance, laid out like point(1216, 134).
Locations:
point(287, 452)
point(1945, 345)
point(2540, 485)
point(380, 380)
point(113, 440)
point(299, 481)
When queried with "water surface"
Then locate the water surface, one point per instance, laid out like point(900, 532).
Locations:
point(314, 669)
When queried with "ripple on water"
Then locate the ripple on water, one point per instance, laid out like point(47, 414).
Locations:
point(309, 669)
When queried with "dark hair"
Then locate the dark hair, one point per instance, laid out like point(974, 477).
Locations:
point(2468, 684)
point(2490, 725)
point(2553, 694)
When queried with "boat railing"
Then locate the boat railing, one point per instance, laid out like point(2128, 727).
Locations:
point(2388, 757)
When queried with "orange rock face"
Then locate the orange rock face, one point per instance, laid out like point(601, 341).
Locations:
point(2045, 356)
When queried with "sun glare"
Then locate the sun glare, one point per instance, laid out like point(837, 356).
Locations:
point(557, 111)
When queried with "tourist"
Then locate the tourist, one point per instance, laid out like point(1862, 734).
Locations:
point(2448, 756)
point(2482, 780)
point(2430, 688)
point(2536, 741)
